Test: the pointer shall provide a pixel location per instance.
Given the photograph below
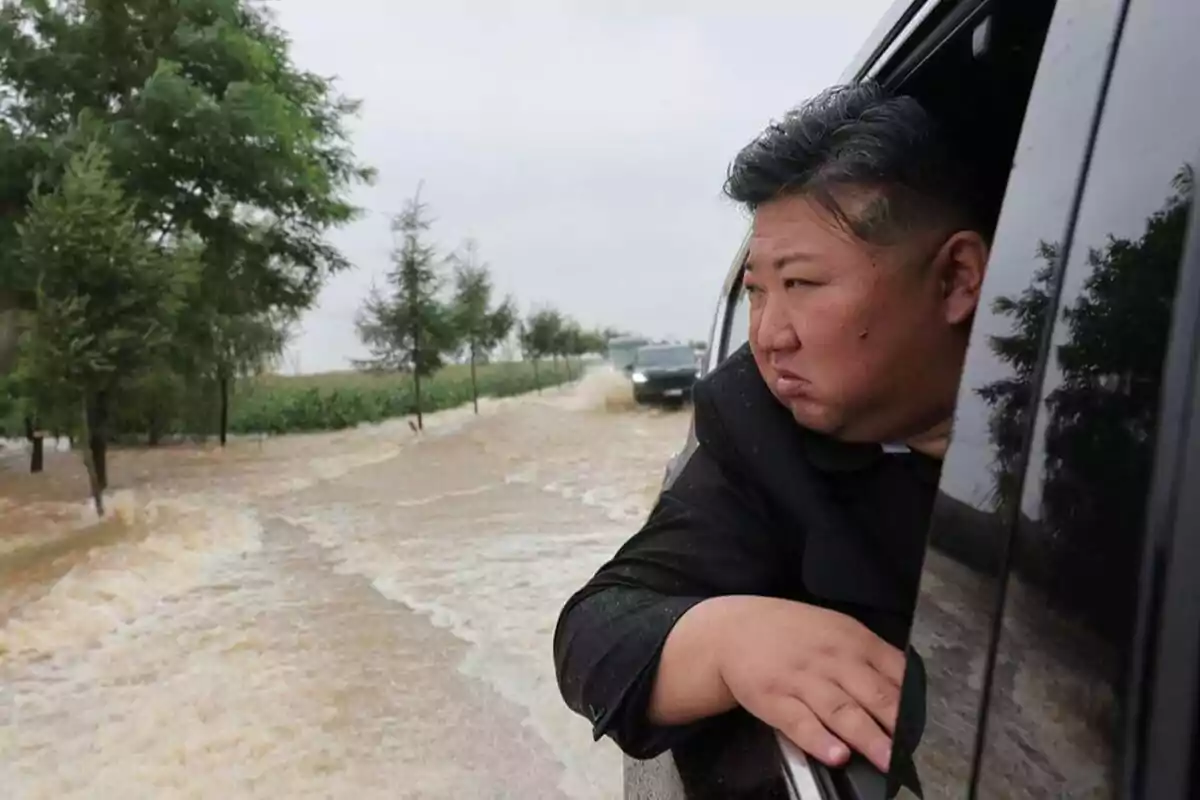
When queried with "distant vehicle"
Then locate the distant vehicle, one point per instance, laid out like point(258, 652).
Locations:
point(663, 373)
point(622, 351)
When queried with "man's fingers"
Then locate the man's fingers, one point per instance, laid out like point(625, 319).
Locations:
point(842, 715)
point(889, 661)
point(874, 692)
point(798, 722)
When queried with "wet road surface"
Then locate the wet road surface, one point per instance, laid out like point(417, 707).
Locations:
point(362, 614)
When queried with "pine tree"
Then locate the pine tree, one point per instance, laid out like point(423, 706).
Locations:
point(479, 327)
point(409, 329)
point(106, 300)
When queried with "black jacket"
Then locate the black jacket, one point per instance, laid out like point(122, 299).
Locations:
point(761, 506)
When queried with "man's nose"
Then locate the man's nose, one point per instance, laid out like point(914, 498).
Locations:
point(775, 330)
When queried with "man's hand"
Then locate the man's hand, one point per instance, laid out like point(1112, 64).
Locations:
point(820, 677)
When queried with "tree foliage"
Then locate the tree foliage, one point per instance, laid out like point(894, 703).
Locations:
point(188, 172)
point(223, 148)
point(479, 326)
point(106, 299)
point(409, 328)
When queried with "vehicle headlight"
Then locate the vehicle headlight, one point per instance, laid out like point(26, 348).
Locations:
point(638, 377)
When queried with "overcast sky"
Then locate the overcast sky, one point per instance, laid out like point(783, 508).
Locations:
point(583, 147)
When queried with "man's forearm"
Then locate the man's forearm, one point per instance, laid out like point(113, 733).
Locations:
point(688, 684)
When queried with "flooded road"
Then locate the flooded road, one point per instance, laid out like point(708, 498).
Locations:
point(364, 614)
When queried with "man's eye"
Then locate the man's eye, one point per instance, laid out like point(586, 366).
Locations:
point(794, 283)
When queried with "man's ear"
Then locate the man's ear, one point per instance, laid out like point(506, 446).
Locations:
point(960, 265)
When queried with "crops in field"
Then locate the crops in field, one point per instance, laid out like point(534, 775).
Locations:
point(278, 404)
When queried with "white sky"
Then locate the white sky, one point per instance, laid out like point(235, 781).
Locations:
point(583, 148)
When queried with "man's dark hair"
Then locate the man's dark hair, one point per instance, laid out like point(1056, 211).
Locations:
point(860, 137)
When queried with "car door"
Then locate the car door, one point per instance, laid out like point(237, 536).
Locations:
point(974, 517)
point(1080, 699)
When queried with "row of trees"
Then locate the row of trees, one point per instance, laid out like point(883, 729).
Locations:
point(415, 326)
point(167, 180)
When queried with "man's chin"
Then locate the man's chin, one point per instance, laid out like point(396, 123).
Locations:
point(813, 416)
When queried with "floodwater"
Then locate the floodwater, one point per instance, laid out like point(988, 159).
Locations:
point(364, 614)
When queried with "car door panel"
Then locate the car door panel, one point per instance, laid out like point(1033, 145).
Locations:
point(1162, 728)
point(959, 599)
point(1061, 682)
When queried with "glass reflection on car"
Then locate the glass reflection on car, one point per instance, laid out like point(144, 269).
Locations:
point(1072, 584)
point(1061, 691)
point(960, 586)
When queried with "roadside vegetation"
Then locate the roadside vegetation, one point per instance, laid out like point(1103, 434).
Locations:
point(289, 404)
point(168, 181)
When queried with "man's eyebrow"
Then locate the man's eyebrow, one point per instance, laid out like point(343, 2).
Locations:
point(787, 258)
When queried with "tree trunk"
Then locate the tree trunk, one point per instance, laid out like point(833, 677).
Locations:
point(417, 370)
point(567, 361)
point(37, 451)
point(97, 437)
point(537, 379)
point(417, 395)
point(89, 456)
point(223, 387)
point(474, 384)
point(154, 428)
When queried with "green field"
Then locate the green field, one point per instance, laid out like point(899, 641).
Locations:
point(279, 404)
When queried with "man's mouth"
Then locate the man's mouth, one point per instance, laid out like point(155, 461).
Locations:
point(789, 385)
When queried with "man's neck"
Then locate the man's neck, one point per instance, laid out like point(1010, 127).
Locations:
point(934, 441)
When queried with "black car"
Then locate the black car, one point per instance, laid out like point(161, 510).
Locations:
point(664, 373)
point(1059, 616)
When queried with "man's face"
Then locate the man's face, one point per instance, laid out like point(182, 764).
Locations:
point(859, 341)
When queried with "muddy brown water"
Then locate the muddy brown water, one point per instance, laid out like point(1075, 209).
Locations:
point(368, 614)
point(364, 614)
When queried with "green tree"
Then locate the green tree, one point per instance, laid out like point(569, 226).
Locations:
point(211, 130)
point(541, 337)
point(593, 342)
point(244, 345)
point(106, 300)
point(410, 328)
point(479, 326)
point(568, 342)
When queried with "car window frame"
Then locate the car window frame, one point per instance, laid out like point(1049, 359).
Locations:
point(731, 293)
point(1161, 735)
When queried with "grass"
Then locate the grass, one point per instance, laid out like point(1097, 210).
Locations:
point(278, 404)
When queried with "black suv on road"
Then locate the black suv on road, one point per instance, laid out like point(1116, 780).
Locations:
point(1059, 613)
point(664, 373)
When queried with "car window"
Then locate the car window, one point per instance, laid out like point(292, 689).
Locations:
point(739, 321)
point(957, 604)
point(666, 357)
point(1059, 687)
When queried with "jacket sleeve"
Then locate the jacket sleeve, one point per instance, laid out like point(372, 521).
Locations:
point(706, 536)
